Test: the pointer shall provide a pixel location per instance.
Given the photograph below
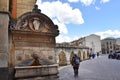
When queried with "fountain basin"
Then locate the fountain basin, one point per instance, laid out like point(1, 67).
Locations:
point(36, 71)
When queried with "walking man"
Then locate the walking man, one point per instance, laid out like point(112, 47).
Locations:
point(75, 63)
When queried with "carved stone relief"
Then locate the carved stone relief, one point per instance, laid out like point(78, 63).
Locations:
point(35, 22)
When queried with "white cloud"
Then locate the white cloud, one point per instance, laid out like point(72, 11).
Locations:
point(104, 1)
point(62, 27)
point(62, 11)
point(73, 0)
point(61, 14)
point(38, 2)
point(97, 8)
point(62, 38)
point(65, 38)
point(109, 33)
point(87, 2)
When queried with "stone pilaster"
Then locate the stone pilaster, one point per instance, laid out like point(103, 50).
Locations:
point(4, 50)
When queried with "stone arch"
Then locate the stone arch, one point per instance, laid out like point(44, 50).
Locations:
point(84, 55)
point(79, 54)
point(71, 55)
point(62, 59)
point(87, 54)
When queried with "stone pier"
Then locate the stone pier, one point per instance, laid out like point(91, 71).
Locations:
point(4, 45)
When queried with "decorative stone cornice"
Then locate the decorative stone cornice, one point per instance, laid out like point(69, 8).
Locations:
point(35, 21)
point(5, 12)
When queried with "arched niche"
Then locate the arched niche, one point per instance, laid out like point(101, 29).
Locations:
point(62, 59)
point(84, 55)
point(79, 54)
point(87, 54)
point(71, 55)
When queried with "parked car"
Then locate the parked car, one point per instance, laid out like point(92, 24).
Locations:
point(118, 55)
point(112, 55)
point(115, 55)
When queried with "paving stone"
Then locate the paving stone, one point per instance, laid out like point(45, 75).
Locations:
point(100, 68)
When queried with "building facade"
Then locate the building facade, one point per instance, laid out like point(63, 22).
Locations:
point(118, 44)
point(108, 45)
point(92, 41)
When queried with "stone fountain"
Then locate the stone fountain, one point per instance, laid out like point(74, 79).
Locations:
point(32, 46)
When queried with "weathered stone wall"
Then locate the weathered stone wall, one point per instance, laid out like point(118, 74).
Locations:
point(4, 46)
point(24, 6)
point(36, 71)
point(4, 5)
point(25, 53)
point(28, 43)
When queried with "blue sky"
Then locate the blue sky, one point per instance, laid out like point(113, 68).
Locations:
point(79, 18)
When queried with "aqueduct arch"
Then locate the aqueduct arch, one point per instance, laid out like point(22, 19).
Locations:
point(62, 59)
point(79, 54)
point(71, 55)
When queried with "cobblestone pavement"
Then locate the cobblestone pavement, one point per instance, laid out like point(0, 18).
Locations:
point(100, 68)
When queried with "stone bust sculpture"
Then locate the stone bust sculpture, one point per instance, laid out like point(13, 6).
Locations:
point(36, 24)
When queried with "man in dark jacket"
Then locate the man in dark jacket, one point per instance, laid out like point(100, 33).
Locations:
point(75, 63)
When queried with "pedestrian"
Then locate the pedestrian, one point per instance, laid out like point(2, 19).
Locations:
point(90, 55)
point(97, 54)
point(75, 63)
point(93, 55)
